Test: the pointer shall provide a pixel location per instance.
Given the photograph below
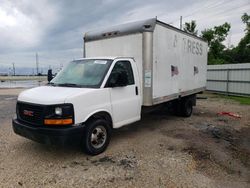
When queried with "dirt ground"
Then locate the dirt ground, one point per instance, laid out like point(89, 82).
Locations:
point(162, 150)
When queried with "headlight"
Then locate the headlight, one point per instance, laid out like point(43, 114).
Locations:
point(58, 111)
point(62, 114)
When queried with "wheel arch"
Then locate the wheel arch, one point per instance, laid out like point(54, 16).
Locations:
point(100, 114)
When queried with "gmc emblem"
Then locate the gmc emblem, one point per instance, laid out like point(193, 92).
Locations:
point(28, 113)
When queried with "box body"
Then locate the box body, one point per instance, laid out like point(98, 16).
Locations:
point(170, 62)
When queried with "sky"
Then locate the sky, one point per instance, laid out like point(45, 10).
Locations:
point(54, 28)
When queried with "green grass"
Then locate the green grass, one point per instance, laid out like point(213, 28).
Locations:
point(241, 100)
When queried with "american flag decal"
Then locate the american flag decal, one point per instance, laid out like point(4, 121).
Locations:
point(174, 70)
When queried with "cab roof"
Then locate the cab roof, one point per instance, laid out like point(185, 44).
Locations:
point(106, 57)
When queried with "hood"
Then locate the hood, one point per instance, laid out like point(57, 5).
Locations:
point(51, 95)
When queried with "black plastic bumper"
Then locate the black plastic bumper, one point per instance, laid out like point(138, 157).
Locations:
point(49, 135)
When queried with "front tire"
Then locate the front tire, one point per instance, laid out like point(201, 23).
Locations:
point(96, 136)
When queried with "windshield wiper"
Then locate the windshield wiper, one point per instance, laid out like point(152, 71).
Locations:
point(51, 83)
point(68, 85)
point(64, 84)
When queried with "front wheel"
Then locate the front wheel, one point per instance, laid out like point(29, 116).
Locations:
point(96, 136)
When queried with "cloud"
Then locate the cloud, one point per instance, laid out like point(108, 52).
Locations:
point(55, 28)
point(24, 23)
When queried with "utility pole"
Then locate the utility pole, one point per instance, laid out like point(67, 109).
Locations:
point(14, 69)
point(181, 23)
point(37, 65)
point(229, 39)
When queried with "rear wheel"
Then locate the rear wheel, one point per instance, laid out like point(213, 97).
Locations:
point(186, 107)
point(96, 136)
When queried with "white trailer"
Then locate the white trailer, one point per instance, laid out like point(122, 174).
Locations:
point(153, 64)
point(171, 62)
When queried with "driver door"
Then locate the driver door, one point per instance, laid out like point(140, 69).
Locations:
point(125, 100)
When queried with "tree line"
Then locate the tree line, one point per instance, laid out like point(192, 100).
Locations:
point(218, 53)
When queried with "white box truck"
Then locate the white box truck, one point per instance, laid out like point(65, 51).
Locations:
point(125, 69)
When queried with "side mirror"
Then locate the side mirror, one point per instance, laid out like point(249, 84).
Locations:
point(49, 75)
point(118, 79)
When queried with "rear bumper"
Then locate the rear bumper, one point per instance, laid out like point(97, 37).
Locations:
point(49, 135)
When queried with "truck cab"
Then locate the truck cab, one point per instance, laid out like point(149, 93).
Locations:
point(86, 99)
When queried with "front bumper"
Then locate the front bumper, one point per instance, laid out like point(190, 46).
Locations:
point(49, 135)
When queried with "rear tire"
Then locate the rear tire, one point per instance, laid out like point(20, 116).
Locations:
point(186, 107)
point(96, 136)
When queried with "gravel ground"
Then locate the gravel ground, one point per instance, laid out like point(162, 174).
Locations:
point(162, 150)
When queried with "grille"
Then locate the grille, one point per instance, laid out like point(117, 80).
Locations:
point(30, 113)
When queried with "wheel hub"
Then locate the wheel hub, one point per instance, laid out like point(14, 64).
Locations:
point(98, 136)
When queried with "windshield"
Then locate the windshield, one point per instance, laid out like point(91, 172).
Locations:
point(83, 73)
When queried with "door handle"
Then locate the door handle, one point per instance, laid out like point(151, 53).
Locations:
point(136, 90)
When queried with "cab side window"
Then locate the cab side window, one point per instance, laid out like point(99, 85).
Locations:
point(122, 66)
